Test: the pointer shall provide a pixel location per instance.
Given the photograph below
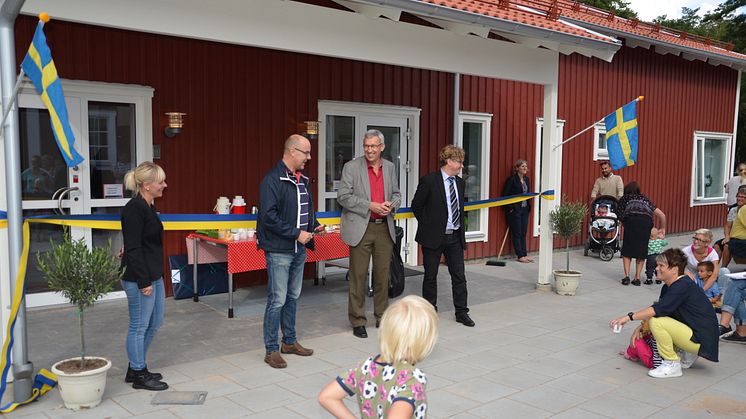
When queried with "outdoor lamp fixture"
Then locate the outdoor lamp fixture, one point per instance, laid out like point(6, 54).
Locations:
point(175, 123)
point(312, 129)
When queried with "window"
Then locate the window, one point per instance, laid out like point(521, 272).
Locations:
point(538, 188)
point(600, 152)
point(474, 138)
point(710, 171)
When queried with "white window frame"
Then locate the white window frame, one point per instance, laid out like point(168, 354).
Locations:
point(536, 230)
point(598, 152)
point(485, 119)
point(699, 138)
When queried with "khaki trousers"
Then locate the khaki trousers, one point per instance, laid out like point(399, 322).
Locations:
point(376, 242)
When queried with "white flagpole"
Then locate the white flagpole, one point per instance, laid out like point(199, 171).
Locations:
point(637, 99)
point(13, 98)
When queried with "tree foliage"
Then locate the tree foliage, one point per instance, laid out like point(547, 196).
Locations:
point(619, 7)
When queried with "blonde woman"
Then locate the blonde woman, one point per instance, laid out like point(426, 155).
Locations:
point(142, 262)
point(389, 385)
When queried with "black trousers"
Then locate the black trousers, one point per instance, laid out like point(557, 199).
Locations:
point(518, 223)
point(454, 253)
point(650, 264)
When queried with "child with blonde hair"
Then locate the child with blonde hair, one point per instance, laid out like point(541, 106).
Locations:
point(389, 385)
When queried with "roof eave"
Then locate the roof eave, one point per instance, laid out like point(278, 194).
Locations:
point(711, 57)
point(500, 25)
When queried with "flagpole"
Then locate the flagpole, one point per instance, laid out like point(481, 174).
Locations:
point(13, 98)
point(637, 99)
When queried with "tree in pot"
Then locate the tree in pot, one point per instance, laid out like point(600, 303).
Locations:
point(566, 221)
point(82, 276)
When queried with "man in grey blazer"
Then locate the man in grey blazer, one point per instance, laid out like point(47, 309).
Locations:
point(369, 196)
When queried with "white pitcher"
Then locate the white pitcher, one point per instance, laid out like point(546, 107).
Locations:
point(223, 206)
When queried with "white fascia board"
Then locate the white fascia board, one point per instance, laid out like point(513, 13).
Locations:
point(370, 10)
point(460, 28)
point(298, 27)
point(663, 50)
point(636, 43)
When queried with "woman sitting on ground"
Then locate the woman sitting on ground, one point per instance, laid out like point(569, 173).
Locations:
point(682, 321)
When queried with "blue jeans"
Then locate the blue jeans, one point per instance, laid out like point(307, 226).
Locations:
point(285, 271)
point(733, 300)
point(146, 317)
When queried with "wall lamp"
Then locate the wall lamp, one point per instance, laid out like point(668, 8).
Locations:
point(312, 130)
point(175, 123)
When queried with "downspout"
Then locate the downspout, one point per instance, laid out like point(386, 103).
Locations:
point(22, 368)
point(732, 158)
point(456, 106)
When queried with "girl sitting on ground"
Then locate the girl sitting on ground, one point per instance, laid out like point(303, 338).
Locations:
point(389, 385)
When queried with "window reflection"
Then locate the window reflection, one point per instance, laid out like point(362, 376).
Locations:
point(472, 170)
point(43, 170)
point(111, 137)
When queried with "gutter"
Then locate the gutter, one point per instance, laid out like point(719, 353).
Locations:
point(460, 16)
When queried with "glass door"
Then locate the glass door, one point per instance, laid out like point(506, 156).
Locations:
point(105, 137)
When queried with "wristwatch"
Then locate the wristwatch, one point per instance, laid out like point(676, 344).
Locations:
point(630, 314)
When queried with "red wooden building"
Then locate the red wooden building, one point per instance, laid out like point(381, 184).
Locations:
point(482, 74)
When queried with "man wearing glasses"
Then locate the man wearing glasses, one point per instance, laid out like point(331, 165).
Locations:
point(438, 205)
point(369, 196)
point(285, 226)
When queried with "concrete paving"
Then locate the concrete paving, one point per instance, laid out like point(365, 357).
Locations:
point(531, 354)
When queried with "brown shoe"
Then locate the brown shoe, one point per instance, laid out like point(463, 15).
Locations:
point(296, 349)
point(274, 359)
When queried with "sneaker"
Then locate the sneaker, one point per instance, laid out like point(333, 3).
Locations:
point(274, 359)
point(687, 358)
point(296, 349)
point(667, 369)
point(636, 282)
point(724, 330)
point(625, 280)
point(648, 282)
point(734, 338)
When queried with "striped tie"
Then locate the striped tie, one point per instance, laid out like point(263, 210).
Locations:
point(455, 213)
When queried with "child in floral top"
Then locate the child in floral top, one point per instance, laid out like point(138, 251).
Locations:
point(388, 385)
point(655, 246)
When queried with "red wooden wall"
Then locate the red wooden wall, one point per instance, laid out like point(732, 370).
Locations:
point(242, 102)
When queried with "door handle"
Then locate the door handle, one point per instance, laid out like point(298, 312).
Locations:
point(60, 194)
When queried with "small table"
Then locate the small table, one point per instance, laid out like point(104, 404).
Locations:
point(244, 256)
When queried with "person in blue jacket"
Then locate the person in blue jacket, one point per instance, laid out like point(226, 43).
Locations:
point(285, 228)
point(517, 214)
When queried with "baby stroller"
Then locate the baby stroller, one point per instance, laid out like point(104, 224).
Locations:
point(603, 228)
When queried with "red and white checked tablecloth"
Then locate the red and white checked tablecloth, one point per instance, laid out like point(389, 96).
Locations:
point(243, 255)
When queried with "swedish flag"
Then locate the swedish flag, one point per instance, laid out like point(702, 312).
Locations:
point(39, 67)
point(621, 135)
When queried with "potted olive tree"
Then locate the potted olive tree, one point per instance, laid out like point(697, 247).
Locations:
point(566, 221)
point(82, 276)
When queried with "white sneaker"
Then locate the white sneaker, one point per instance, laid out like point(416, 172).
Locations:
point(687, 358)
point(667, 369)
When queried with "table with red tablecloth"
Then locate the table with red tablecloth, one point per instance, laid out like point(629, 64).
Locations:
point(244, 256)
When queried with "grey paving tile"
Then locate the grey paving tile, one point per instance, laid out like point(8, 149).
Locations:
point(550, 366)
point(444, 404)
point(701, 408)
point(547, 398)
point(581, 386)
point(617, 406)
point(215, 386)
point(137, 403)
point(264, 398)
point(509, 409)
point(578, 413)
point(480, 389)
point(259, 377)
point(107, 409)
point(161, 414)
point(308, 386)
point(218, 407)
point(278, 413)
point(454, 370)
point(517, 378)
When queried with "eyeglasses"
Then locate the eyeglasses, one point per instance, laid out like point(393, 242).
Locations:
point(307, 153)
point(459, 161)
point(697, 239)
point(367, 146)
point(741, 196)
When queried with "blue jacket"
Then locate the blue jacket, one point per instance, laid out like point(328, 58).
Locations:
point(277, 223)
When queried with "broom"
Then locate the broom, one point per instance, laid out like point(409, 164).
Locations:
point(498, 262)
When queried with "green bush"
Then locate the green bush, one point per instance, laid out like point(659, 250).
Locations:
point(82, 275)
point(566, 221)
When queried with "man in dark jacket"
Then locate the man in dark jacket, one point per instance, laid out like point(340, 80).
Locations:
point(285, 228)
point(438, 205)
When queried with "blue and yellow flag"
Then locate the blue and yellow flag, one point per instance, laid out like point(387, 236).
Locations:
point(39, 67)
point(621, 135)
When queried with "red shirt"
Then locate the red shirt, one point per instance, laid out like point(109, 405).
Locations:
point(376, 187)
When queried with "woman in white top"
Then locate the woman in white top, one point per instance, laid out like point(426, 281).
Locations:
point(701, 251)
point(731, 188)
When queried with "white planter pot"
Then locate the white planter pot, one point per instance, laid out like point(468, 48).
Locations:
point(566, 283)
point(82, 390)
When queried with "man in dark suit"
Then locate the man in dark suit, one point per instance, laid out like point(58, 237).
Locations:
point(438, 205)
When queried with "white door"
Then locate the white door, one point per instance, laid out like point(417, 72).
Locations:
point(105, 136)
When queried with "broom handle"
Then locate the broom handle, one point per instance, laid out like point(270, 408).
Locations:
point(500, 253)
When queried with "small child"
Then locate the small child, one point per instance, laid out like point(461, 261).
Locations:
point(388, 384)
point(642, 347)
point(704, 270)
point(602, 226)
point(655, 245)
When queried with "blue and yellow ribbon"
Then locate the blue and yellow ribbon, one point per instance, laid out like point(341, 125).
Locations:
point(46, 380)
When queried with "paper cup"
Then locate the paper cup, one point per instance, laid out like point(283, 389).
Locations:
point(617, 328)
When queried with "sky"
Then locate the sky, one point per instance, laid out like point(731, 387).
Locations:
point(650, 9)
